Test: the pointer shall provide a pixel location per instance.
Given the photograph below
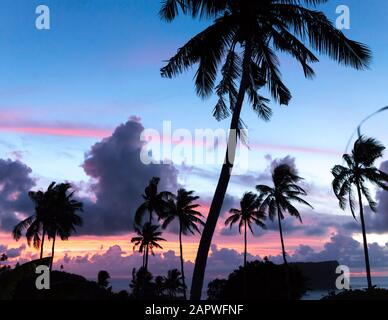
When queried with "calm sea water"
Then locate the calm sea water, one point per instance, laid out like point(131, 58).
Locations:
point(355, 283)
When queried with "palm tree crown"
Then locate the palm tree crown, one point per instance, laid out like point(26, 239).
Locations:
point(263, 27)
point(248, 213)
point(359, 170)
point(36, 225)
point(147, 239)
point(246, 216)
point(182, 208)
point(154, 201)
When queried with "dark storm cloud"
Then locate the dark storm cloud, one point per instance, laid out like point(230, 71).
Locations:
point(15, 182)
point(115, 165)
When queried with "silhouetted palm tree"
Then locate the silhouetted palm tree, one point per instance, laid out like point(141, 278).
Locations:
point(154, 201)
point(37, 224)
point(182, 208)
point(245, 216)
point(173, 283)
point(63, 215)
point(278, 199)
point(147, 240)
point(103, 278)
point(244, 38)
point(141, 284)
point(159, 286)
point(359, 171)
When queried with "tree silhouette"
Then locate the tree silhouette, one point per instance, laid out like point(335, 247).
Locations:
point(103, 278)
point(182, 208)
point(141, 284)
point(244, 39)
point(36, 225)
point(173, 284)
point(245, 216)
point(358, 172)
point(63, 215)
point(55, 214)
point(154, 201)
point(147, 239)
point(278, 199)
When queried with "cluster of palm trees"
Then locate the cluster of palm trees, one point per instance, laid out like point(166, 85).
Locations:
point(271, 201)
point(242, 40)
point(55, 215)
point(144, 286)
point(167, 207)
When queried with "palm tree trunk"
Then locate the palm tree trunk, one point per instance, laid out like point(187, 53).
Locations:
point(287, 275)
point(52, 253)
point(223, 181)
point(144, 253)
point(245, 244)
point(42, 244)
point(182, 261)
point(281, 235)
point(146, 259)
point(366, 252)
point(245, 262)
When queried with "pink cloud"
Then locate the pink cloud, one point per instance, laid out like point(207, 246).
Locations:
point(68, 131)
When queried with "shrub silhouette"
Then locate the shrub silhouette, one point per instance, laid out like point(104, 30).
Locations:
point(267, 281)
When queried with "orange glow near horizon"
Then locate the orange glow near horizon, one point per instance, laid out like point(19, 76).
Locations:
point(266, 245)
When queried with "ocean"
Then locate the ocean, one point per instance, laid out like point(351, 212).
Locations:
point(355, 283)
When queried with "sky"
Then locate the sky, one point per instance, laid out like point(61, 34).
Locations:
point(74, 100)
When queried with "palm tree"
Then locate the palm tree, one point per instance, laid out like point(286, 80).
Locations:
point(147, 239)
point(36, 225)
point(182, 208)
point(360, 170)
point(103, 279)
point(245, 216)
point(141, 284)
point(63, 215)
point(173, 283)
point(278, 199)
point(154, 202)
point(244, 39)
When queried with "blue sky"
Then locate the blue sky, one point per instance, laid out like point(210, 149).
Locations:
point(99, 64)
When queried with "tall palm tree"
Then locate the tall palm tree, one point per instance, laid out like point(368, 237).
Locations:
point(245, 216)
point(147, 239)
point(63, 217)
point(182, 208)
point(154, 201)
point(244, 39)
point(278, 199)
point(36, 225)
point(360, 170)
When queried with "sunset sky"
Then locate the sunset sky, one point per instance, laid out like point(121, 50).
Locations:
point(74, 100)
